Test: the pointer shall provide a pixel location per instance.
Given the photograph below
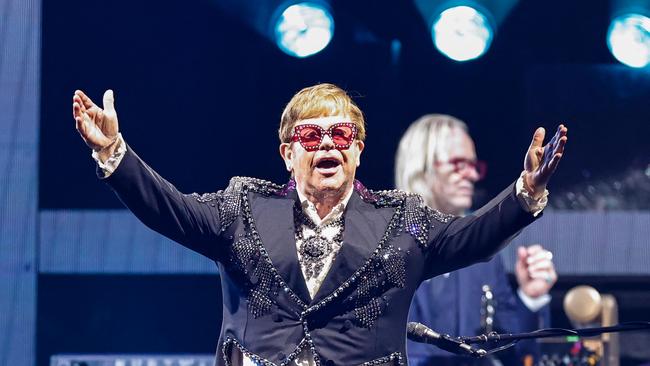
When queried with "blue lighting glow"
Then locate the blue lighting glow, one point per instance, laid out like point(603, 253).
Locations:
point(462, 33)
point(628, 39)
point(304, 29)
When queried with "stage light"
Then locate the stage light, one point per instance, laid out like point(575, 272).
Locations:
point(628, 39)
point(462, 33)
point(304, 29)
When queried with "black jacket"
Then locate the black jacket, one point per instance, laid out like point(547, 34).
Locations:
point(391, 243)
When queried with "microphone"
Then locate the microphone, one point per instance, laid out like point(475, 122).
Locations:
point(422, 334)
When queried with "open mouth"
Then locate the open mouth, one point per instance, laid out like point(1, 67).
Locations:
point(328, 165)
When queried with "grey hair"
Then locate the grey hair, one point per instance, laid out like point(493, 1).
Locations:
point(417, 152)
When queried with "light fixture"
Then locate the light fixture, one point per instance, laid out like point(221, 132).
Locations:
point(304, 29)
point(462, 33)
point(628, 39)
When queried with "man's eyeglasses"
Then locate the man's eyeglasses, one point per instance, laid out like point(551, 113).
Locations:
point(462, 165)
point(311, 136)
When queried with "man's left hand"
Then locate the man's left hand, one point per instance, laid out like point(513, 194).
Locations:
point(534, 270)
point(541, 161)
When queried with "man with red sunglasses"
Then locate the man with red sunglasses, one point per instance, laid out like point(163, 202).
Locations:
point(436, 158)
point(320, 270)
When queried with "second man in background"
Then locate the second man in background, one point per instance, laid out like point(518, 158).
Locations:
point(436, 158)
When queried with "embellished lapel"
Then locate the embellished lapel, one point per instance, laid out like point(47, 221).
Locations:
point(273, 217)
point(364, 226)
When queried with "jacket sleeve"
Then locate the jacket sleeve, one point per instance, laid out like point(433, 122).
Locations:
point(476, 237)
point(190, 219)
point(512, 315)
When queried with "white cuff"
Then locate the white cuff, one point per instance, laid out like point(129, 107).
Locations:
point(530, 204)
point(109, 166)
point(533, 303)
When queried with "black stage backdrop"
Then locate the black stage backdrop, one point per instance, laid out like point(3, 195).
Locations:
point(199, 94)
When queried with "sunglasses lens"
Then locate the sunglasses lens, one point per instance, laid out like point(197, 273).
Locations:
point(342, 134)
point(462, 165)
point(310, 136)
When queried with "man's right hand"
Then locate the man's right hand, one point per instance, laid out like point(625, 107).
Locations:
point(98, 127)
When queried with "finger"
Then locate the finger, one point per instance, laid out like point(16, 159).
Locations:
point(534, 249)
point(547, 276)
point(558, 151)
point(538, 137)
point(109, 101)
point(81, 120)
point(557, 137)
point(559, 147)
point(541, 255)
point(75, 106)
point(79, 124)
point(86, 101)
point(77, 99)
point(86, 124)
point(558, 133)
point(555, 161)
point(76, 110)
point(100, 117)
point(522, 254)
point(543, 273)
point(543, 265)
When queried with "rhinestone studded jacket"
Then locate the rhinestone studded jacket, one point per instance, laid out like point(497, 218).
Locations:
point(391, 243)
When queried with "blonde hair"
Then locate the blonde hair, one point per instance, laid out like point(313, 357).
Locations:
point(417, 152)
point(321, 100)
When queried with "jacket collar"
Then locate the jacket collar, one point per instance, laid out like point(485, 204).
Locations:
point(364, 226)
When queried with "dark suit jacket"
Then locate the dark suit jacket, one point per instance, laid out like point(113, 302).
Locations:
point(391, 243)
point(452, 305)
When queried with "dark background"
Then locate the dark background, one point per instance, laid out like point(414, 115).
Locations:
point(199, 95)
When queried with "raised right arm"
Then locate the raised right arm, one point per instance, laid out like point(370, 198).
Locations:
point(188, 219)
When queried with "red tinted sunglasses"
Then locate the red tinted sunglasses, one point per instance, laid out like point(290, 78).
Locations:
point(311, 136)
point(461, 165)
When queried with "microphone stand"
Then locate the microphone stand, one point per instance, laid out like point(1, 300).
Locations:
point(551, 332)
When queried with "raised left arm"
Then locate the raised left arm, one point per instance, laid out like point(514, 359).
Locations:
point(481, 234)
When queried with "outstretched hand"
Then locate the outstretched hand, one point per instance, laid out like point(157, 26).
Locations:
point(541, 161)
point(98, 127)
